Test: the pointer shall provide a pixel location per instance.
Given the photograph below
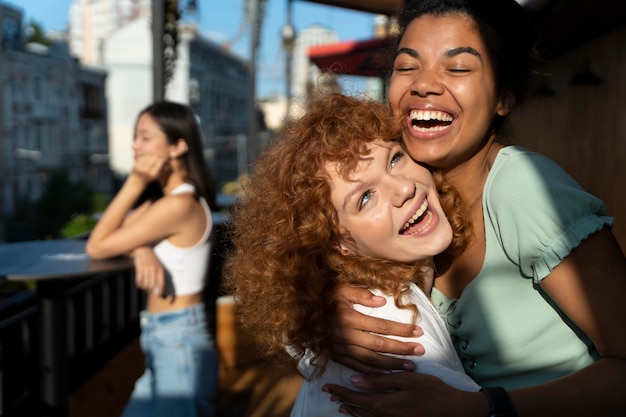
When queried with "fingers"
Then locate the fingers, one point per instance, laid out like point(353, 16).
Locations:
point(349, 295)
point(349, 318)
point(368, 362)
point(354, 403)
point(361, 350)
point(381, 391)
point(394, 381)
point(364, 331)
point(150, 279)
point(149, 166)
point(403, 394)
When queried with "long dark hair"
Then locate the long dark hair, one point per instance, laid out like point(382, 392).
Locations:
point(179, 121)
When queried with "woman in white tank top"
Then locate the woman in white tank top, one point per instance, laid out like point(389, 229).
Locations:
point(161, 217)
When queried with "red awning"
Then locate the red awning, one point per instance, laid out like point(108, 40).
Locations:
point(365, 58)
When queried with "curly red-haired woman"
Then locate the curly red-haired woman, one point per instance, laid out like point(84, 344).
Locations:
point(336, 200)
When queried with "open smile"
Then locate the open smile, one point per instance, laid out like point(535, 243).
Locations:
point(429, 120)
point(419, 221)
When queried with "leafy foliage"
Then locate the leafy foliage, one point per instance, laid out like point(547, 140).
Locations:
point(35, 34)
point(61, 200)
point(78, 225)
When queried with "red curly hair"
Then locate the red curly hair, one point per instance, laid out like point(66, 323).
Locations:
point(286, 263)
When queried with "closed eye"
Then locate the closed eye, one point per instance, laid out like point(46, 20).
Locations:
point(404, 69)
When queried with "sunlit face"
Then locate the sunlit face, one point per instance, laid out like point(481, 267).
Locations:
point(443, 87)
point(150, 139)
point(390, 206)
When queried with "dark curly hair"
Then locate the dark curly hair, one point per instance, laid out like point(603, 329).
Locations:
point(505, 28)
point(286, 264)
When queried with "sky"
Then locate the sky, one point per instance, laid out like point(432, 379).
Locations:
point(220, 21)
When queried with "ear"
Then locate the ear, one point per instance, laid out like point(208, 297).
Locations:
point(344, 248)
point(181, 147)
point(506, 104)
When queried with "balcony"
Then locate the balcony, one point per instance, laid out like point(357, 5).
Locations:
point(69, 347)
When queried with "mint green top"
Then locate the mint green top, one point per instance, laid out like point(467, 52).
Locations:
point(506, 331)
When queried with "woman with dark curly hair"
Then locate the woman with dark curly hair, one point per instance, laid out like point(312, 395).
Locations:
point(336, 200)
point(535, 304)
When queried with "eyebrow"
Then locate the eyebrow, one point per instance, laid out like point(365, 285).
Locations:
point(411, 52)
point(360, 187)
point(452, 52)
point(463, 50)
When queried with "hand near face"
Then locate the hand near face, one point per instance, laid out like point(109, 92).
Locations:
point(149, 167)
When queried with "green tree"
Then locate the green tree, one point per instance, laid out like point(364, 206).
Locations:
point(62, 200)
point(36, 34)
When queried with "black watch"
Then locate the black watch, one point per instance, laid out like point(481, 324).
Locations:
point(500, 404)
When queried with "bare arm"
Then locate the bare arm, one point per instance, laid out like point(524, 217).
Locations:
point(590, 287)
point(118, 233)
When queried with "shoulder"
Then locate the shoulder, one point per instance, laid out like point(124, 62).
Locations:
point(536, 210)
point(179, 205)
point(517, 166)
point(520, 179)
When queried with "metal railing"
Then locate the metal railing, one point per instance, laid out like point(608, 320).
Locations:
point(102, 318)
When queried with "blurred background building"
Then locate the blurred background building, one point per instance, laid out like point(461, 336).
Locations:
point(53, 115)
point(69, 100)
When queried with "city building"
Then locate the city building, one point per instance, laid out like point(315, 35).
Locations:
point(307, 76)
point(213, 81)
point(53, 118)
point(117, 35)
point(91, 21)
point(304, 78)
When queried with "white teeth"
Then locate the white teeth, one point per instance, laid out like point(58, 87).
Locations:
point(417, 214)
point(428, 115)
point(429, 129)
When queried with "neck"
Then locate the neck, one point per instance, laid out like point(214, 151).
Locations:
point(469, 178)
point(172, 181)
point(428, 276)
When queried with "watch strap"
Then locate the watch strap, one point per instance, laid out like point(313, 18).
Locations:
point(500, 404)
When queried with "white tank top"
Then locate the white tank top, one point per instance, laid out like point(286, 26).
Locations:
point(440, 358)
point(186, 268)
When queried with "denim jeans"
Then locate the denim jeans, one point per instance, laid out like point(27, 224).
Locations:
point(181, 373)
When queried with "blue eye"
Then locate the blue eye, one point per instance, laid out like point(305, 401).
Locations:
point(396, 157)
point(365, 197)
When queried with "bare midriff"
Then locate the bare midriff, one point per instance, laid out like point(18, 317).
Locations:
point(158, 304)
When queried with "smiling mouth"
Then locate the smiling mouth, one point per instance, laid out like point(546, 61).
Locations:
point(429, 120)
point(419, 221)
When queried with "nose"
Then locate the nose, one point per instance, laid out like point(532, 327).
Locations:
point(426, 83)
point(402, 190)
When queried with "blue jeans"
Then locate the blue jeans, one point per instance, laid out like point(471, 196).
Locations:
point(181, 375)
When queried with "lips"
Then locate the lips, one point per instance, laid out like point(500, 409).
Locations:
point(420, 220)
